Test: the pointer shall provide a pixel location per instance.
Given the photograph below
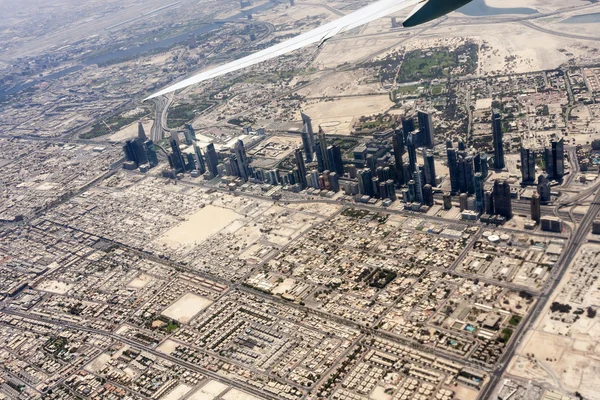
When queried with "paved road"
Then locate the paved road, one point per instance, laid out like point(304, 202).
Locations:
point(161, 108)
point(557, 33)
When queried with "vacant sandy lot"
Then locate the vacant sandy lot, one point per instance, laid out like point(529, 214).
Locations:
point(140, 282)
point(199, 226)
point(167, 347)
point(235, 394)
point(178, 393)
point(209, 391)
point(337, 116)
point(184, 309)
point(54, 287)
point(343, 84)
point(98, 363)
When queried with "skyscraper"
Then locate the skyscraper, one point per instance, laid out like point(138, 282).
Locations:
point(307, 143)
point(554, 158)
point(301, 167)
point(189, 133)
point(273, 177)
point(334, 154)
point(383, 190)
point(320, 157)
point(140, 151)
point(323, 146)
point(463, 202)
point(375, 186)
point(190, 164)
point(549, 162)
point(429, 163)
point(259, 174)
point(483, 165)
point(498, 141)
point(447, 197)
point(558, 152)
point(334, 183)
point(212, 160)
point(314, 179)
point(387, 174)
point(488, 202)
point(408, 126)
point(233, 166)
point(130, 152)
point(135, 151)
point(141, 132)
point(453, 168)
point(307, 131)
point(502, 199)
point(412, 191)
point(419, 183)
point(199, 159)
point(536, 208)
point(176, 158)
point(428, 195)
point(242, 160)
point(411, 146)
point(151, 153)
point(371, 162)
point(380, 174)
point(398, 146)
point(365, 183)
point(426, 128)
point(391, 190)
point(479, 192)
point(290, 178)
point(543, 187)
point(466, 175)
point(527, 165)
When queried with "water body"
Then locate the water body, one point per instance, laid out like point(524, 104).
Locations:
point(168, 42)
point(478, 8)
point(7, 92)
point(583, 19)
point(136, 50)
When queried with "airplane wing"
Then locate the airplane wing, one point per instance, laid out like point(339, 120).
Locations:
point(319, 35)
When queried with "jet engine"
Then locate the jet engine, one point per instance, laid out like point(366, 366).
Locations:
point(432, 9)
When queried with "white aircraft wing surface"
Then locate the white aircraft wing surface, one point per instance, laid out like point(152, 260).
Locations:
point(355, 19)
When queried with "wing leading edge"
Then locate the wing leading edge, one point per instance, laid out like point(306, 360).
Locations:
point(319, 35)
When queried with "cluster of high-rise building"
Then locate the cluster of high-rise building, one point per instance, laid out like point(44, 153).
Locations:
point(197, 163)
point(400, 159)
point(468, 173)
point(140, 152)
point(497, 203)
point(381, 174)
point(325, 162)
point(463, 166)
point(554, 162)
